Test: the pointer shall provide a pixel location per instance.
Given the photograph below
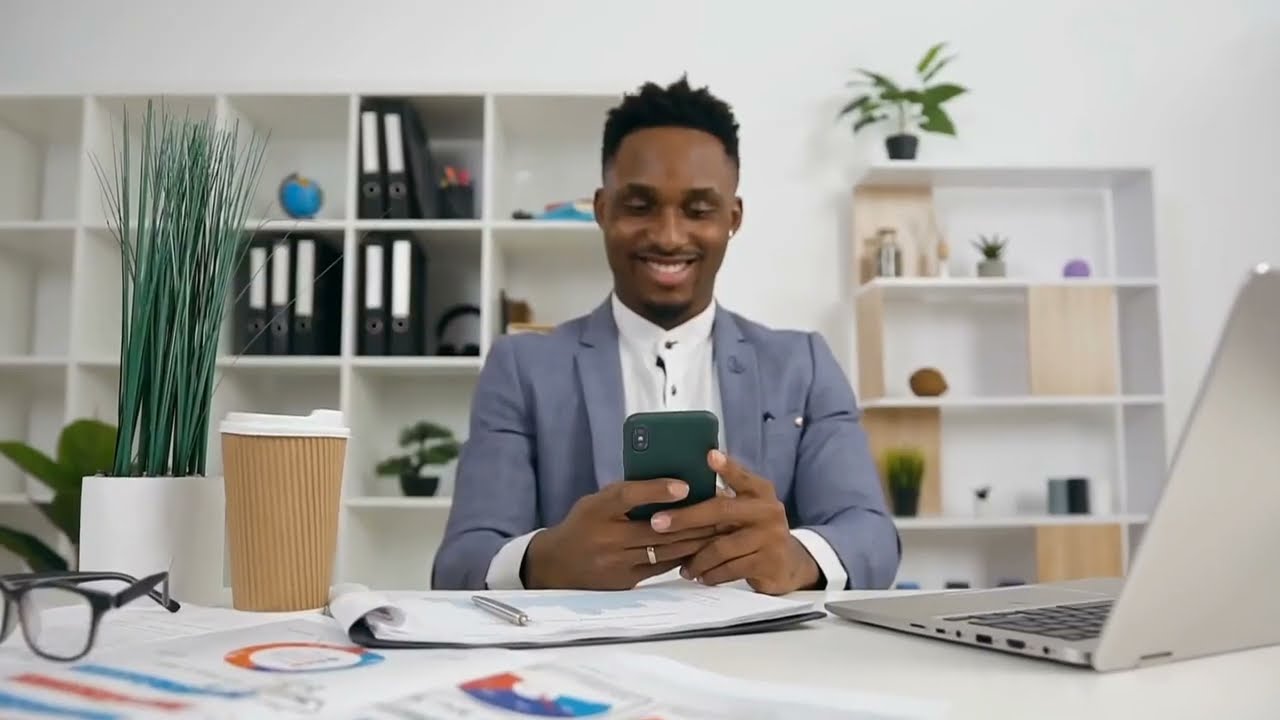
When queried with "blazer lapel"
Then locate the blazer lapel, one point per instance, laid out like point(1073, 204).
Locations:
point(600, 374)
point(739, 380)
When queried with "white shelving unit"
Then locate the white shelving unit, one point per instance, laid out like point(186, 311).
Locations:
point(60, 280)
point(1048, 376)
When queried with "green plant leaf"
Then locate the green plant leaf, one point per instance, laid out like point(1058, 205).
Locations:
point(394, 466)
point(936, 69)
point(866, 120)
point(38, 556)
point(939, 94)
point(86, 447)
point(881, 81)
point(860, 102)
point(929, 56)
point(937, 121)
point(39, 465)
point(439, 454)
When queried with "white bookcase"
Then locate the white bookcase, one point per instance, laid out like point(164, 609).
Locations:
point(1048, 376)
point(60, 280)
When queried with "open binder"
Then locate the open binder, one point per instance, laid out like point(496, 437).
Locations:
point(664, 611)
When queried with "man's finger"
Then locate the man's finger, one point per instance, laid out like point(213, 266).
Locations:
point(624, 495)
point(673, 552)
point(720, 551)
point(639, 535)
point(738, 478)
point(717, 511)
point(741, 568)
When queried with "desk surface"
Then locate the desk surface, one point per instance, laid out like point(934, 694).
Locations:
point(986, 684)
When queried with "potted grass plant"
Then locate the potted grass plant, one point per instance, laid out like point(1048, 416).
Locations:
point(177, 204)
point(904, 468)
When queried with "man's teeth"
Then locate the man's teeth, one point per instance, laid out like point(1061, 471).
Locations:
point(669, 267)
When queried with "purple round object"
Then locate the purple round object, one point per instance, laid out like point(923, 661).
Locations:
point(1076, 268)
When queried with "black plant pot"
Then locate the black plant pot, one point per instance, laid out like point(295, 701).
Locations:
point(413, 485)
point(906, 501)
point(901, 146)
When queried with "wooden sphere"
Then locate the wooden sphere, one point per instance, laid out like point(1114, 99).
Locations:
point(928, 382)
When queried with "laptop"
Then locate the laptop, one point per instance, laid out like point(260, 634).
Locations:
point(1205, 579)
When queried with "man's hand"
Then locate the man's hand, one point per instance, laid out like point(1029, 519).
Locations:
point(597, 547)
point(756, 544)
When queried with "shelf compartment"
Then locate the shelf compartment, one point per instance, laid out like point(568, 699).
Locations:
point(107, 116)
point(96, 320)
point(453, 131)
point(308, 134)
point(546, 149)
point(40, 158)
point(451, 295)
point(382, 405)
point(527, 252)
point(32, 410)
point(35, 289)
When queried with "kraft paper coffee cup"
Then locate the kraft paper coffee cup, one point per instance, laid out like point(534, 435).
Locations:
point(283, 479)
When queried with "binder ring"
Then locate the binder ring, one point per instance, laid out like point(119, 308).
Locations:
point(653, 558)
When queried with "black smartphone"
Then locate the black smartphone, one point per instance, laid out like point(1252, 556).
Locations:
point(671, 444)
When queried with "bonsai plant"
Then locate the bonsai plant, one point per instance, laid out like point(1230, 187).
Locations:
point(428, 445)
point(910, 107)
point(179, 218)
point(85, 447)
point(992, 248)
point(904, 468)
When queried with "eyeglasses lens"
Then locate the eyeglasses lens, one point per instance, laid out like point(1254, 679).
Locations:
point(57, 621)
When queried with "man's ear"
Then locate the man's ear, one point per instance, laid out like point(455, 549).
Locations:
point(597, 207)
point(735, 220)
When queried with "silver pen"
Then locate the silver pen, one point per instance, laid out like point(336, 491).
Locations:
point(515, 616)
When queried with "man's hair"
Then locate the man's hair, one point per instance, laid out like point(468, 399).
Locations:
point(676, 105)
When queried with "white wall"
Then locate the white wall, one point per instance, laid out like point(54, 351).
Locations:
point(1189, 87)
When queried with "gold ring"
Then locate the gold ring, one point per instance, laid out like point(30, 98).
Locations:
point(653, 559)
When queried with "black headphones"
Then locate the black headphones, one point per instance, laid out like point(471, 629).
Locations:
point(451, 315)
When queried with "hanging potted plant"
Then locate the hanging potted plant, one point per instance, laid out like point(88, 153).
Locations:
point(910, 108)
point(904, 468)
point(178, 217)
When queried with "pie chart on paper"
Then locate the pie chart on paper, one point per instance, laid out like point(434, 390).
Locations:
point(518, 693)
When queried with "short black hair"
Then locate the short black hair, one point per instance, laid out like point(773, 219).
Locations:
point(676, 105)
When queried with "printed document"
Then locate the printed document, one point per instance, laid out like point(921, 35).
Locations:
point(306, 668)
point(555, 616)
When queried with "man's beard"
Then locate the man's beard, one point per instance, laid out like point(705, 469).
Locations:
point(665, 314)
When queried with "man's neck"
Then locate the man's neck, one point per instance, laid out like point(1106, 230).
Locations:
point(662, 320)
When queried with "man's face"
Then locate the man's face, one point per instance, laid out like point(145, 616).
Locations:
point(667, 209)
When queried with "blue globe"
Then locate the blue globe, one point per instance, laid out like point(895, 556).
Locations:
point(300, 196)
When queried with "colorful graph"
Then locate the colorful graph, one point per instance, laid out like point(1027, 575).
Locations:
point(298, 657)
point(92, 693)
point(156, 682)
point(514, 692)
point(18, 703)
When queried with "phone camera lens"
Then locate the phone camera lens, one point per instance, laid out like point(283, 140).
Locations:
point(640, 439)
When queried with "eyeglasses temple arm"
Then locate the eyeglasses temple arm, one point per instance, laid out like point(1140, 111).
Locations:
point(146, 587)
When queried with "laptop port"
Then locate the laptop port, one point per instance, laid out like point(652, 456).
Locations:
point(1015, 644)
point(984, 639)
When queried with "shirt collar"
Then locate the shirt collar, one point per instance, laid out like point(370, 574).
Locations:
point(638, 331)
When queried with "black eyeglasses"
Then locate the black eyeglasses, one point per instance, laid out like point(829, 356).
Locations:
point(27, 595)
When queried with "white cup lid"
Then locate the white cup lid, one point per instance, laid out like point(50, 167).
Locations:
point(320, 423)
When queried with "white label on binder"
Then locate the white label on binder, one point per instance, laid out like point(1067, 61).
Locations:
point(400, 278)
point(280, 275)
point(369, 141)
point(395, 143)
point(306, 278)
point(373, 276)
point(258, 278)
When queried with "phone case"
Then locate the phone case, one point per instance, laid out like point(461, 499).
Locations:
point(671, 444)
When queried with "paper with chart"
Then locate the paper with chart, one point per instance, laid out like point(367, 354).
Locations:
point(556, 616)
point(627, 686)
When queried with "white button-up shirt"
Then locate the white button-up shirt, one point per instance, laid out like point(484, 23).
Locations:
point(665, 370)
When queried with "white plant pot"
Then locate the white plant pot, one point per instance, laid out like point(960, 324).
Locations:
point(142, 525)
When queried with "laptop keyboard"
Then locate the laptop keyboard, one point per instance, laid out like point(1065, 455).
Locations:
point(1076, 621)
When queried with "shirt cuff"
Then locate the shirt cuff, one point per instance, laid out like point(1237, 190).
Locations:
point(826, 558)
point(504, 569)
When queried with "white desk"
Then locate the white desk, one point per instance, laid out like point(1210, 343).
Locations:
point(986, 684)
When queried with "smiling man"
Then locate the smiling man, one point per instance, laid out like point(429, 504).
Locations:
point(539, 501)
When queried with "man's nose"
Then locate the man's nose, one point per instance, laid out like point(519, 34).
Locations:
point(668, 232)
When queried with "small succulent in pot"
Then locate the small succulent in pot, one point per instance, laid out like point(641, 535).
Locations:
point(992, 248)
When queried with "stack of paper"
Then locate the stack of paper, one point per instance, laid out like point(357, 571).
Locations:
point(409, 619)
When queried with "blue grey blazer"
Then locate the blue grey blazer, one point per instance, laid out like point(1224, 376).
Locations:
point(546, 429)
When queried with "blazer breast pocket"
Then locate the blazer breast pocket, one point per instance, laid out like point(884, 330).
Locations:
point(781, 442)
